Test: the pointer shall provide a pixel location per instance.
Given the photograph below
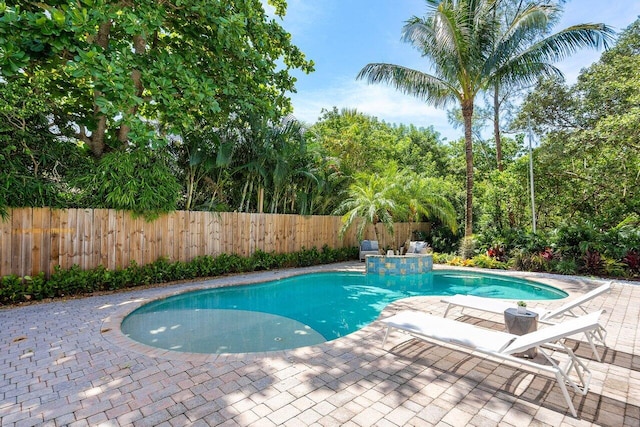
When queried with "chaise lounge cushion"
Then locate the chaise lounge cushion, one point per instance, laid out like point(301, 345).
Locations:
point(368, 247)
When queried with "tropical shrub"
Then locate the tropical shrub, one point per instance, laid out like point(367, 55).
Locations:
point(632, 261)
point(566, 266)
point(487, 261)
point(461, 262)
point(441, 238)
point(593, 262)
point(613, 268)
point(442, 258)
point(75, 281)
point(467, 247)
point(524, 260)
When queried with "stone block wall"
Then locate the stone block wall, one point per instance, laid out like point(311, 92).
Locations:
point(399, 264)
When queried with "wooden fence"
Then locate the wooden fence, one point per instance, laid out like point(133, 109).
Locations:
point(34, 240)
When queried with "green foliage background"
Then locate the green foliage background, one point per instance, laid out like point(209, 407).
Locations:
point(197, 134)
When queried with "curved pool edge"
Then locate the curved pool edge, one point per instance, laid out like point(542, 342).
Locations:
point(111, 326)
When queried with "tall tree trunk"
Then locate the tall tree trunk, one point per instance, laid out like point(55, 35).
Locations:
point(496, 125)
point(467, 113)
point(249, 195)
point(375, 233)
point(98, 135)
point(261, 200)
point(139, 47)
point(244, 194)
point(191, 178)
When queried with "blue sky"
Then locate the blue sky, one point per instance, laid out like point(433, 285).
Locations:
point(342, 36)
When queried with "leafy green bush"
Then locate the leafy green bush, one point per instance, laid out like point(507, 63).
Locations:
point(467, 247)
point(461, 262)
point(263, 261)
point(486, 261)
point(593, 262)
point(138, 180)
point(522, 259)
point(574, 239)
point(440, 258)
point(37, 287)
point(441, 239)
point(566, 266)
point(74, 281)
point(613, 268)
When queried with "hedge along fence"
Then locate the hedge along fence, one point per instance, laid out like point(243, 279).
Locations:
point(35, 240)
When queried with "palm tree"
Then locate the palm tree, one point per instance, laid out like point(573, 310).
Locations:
point(419, 199)
point(468, 54)
point(368, 201)
point(525, 33)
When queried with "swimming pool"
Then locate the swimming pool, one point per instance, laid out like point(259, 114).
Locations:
point(301, 310)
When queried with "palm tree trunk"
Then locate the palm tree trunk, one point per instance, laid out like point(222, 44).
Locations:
point(191, 177)
point(244, 194)
point(496, 125)
point(249, 195)
point(261, 200)
point(375, 233)
point(467, 113)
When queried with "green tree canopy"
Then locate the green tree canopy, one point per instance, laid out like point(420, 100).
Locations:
point(470, 50)
point(358, 140)
point(587, 166)
point(133, 72)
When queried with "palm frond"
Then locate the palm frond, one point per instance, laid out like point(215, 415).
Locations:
point(409, 81)
point(559, 46)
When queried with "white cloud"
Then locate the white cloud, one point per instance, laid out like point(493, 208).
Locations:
point(379, 101)
point(340, 47)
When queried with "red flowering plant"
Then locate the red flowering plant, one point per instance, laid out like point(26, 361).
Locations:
point(547, 254)
point(632, 259)
point(497, 251)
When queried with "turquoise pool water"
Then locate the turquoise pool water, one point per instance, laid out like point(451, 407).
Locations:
point(301, 310)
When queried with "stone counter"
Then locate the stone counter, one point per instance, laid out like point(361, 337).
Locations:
point(399, 264)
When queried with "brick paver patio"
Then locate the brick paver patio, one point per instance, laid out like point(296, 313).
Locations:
point(67, 364)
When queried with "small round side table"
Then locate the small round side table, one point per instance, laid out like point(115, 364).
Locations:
point(520, 324)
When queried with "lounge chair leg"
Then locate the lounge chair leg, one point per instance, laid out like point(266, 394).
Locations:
point(386, 335)
point(565, 392)
point(447, 310)
point(593, 346)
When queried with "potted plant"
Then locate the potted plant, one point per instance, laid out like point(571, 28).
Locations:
point(522, 307)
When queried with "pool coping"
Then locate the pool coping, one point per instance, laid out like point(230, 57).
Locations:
point(111, 325)
point(59, 369)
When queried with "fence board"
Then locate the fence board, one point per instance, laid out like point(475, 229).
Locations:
point(216, 234)
point(88, 222)
point(34, 240)
point(122, 245)
point(20, 228)
point(56, 229)
point(41, 239)
point(5, 243)
point(109, 240)
point(244, 239)
point(197, 248)
point(171, 243)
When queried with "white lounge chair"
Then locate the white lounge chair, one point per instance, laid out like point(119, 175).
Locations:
point(545, 316)
point(502, 345)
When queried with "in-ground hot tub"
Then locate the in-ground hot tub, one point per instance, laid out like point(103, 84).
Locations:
point(399, 264)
